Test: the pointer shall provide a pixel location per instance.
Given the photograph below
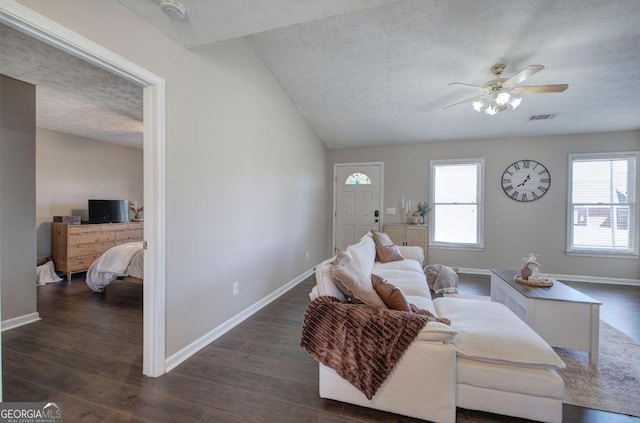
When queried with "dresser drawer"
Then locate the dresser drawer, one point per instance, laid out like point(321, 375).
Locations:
point(90, 237)
point(131, 235)
point(86, 249)
point(82, 262)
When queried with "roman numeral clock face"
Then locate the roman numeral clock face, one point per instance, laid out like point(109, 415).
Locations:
point(526, 180)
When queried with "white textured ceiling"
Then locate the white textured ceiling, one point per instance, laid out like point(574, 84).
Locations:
point(73, 96)
point(376, 72)
point(368, 72)
point(208, 21)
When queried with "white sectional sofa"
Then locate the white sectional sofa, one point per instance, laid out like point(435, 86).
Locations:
point(487, 360)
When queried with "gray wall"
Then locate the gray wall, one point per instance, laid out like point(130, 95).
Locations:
point(246, 175)
point(17, 197)
point(71, 169)
point(512, 229)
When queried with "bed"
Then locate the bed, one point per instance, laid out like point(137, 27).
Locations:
point(124, 262)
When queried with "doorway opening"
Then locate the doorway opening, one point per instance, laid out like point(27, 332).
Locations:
point(24, 20)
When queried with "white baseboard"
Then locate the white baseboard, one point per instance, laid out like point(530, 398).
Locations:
point(570, 278)
point(472, 271)
point(596, 279)
point(176, 359)
point(15, 322)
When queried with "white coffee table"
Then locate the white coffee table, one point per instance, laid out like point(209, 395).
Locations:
point(561, 315)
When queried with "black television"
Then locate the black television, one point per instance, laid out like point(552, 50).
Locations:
point(108, 211)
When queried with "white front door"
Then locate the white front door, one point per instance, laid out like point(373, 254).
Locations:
point(357, 202)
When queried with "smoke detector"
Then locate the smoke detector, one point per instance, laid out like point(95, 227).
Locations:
point(173, 9)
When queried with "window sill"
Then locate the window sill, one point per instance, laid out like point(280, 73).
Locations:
point(603, 254)
point(459, 247)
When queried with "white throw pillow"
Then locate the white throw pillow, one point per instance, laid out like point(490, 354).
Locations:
point(363, 254)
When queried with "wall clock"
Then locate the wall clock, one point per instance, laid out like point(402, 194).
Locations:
point(526, 180)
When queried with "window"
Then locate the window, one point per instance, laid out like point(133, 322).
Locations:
point(357, 179)
point(602, 204)
point(457, 199)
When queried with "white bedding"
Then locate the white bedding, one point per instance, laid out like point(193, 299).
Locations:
point(121, 260)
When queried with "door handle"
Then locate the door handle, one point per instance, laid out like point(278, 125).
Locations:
point(376, 213)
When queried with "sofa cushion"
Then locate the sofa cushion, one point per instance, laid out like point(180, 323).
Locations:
point(409, 265)
point(412, 252)
point(411, 283)
point(489, 331)
point(421, 302)
point(508, 378)
point(363, 254)
point(390, 294)
point(355, 285)
point(437, 332)
point(388, 253)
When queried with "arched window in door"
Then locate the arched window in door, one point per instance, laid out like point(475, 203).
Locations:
point(357, 178)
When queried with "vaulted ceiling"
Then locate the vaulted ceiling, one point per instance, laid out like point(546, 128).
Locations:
point(369, 72)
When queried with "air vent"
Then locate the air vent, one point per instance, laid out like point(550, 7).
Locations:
point(542, 117)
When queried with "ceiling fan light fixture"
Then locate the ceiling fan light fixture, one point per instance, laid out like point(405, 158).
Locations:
point(515, 102)
point(492, 109)
point(497, 93)
point(478, 105)
point(503, 98)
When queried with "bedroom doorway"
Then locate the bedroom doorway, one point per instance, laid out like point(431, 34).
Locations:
point(36, 26)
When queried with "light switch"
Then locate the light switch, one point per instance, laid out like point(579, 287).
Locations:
point(391, 210)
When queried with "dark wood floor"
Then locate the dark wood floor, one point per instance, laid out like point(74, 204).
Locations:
point(86, 352)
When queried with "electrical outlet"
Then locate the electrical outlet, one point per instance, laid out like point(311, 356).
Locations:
point(236, 288)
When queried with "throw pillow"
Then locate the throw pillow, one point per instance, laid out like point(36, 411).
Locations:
point(391, 295)
point(381, 238)
point(388, 253)
point(342, 257)
point(354, 285)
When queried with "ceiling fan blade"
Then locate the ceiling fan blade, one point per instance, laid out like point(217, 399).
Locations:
point(523, 74)
point(475, 87)
point(555, 88)
point(469, 100)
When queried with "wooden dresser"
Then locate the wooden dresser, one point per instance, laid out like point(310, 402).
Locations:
point(75, 247)
point(403, 234)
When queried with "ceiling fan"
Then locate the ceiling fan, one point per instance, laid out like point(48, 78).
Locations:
point(499, 93)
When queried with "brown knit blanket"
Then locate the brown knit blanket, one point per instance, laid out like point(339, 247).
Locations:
point(362, 343)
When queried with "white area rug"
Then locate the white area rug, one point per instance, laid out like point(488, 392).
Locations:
point(614, 384)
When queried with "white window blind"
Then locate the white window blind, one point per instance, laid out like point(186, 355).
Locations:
point(602, 203)
point(456, 195)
